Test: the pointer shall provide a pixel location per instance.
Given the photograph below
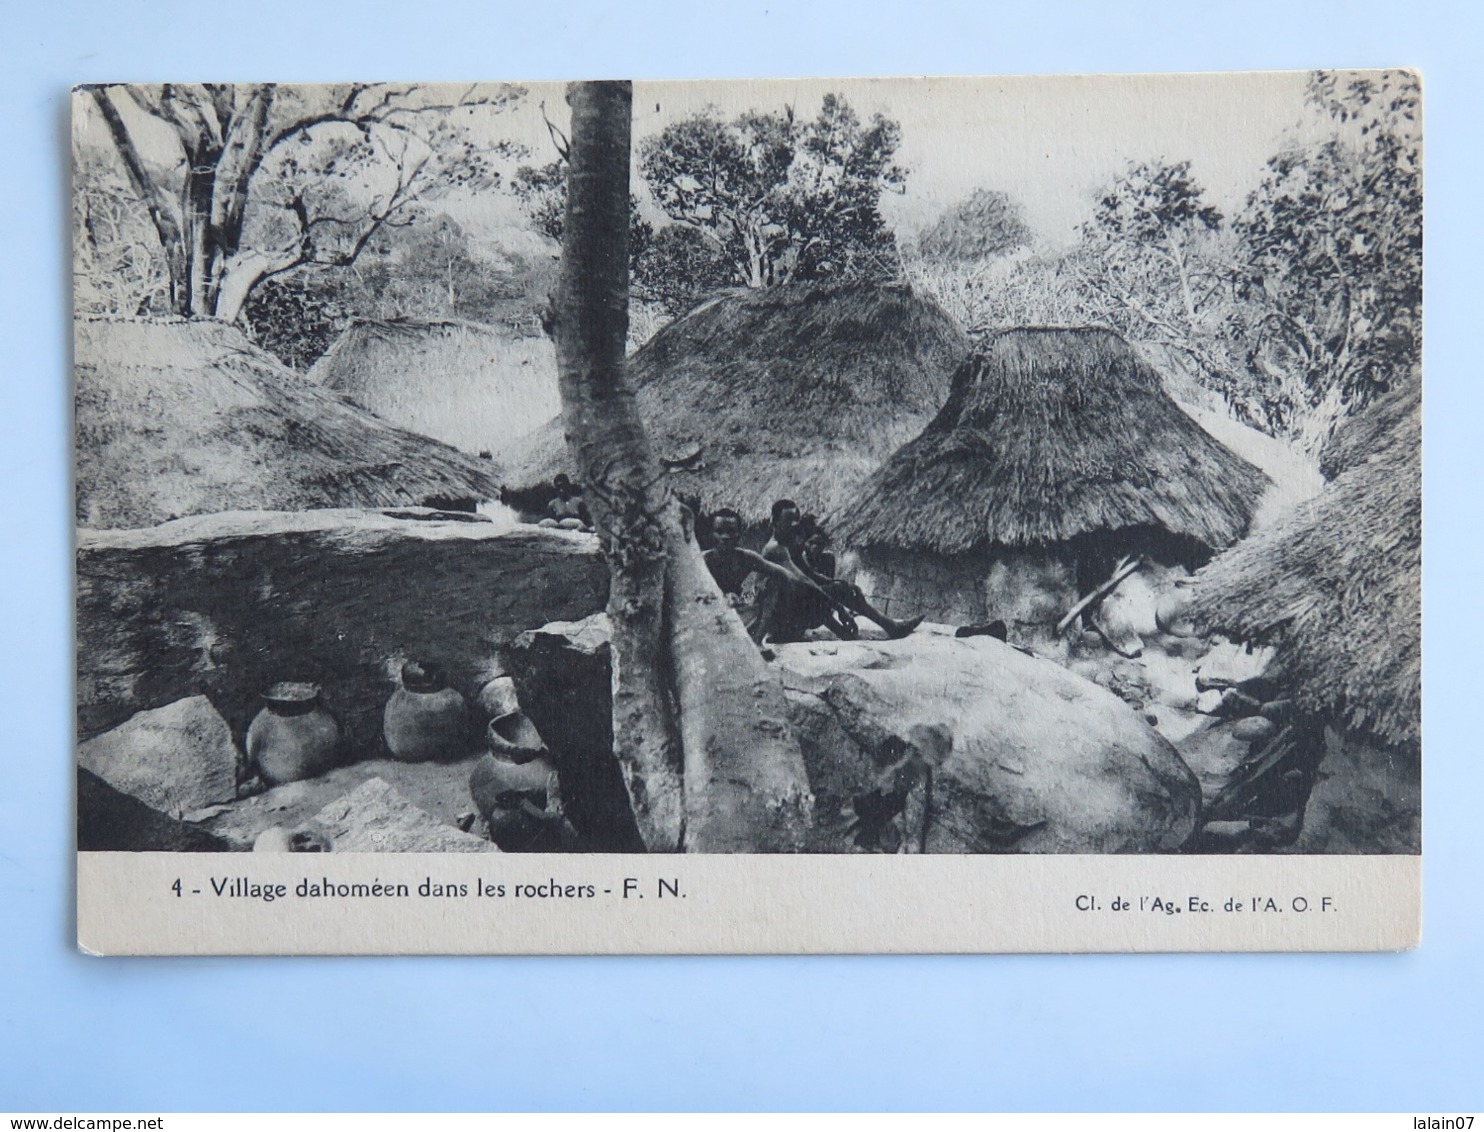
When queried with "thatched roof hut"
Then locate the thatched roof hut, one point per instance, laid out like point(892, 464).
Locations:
point(182, 418)
point(1058, 442)
point(476, 387)
point(1337, 584)
point(1048, 435)
point(797, 391)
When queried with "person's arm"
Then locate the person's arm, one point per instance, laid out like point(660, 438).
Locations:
point(801, 561)
point(788, 572)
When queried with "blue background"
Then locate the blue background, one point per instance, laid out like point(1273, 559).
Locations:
point(1102, 1033)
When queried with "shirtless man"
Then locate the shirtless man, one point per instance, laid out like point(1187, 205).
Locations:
point(785, 594)
point(565, 508)
point(785, 546)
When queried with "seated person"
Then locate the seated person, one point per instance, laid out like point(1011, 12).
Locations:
point(786, 545)
point(818, 557)
point(788, 598)
point(566, 509)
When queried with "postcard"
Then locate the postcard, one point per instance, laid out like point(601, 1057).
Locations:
point(858, 515)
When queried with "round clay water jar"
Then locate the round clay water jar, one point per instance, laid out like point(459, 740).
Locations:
point(514, 771)
point(502, 790)
point(293, 737)
point(425, 719)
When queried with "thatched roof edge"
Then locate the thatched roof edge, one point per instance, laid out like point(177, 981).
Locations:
point(799, 391)
point(1336, 586)
point(177, 416)
point(1049, 434)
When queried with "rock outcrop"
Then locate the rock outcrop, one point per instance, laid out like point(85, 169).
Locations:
point(978, 748)
point(440, 790)
point(175, 759)
point(108, 820)
point(229, 604)
point(375, 818)
point(943, 745)
point(1366, 799)
point(562, 673)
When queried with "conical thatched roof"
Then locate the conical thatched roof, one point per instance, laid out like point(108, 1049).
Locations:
point(1337, 585)
point(798, 391)
point(473, 386)
point(184, 418)
point(1050, 434)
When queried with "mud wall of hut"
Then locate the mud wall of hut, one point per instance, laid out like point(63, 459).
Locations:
point(1022, 588)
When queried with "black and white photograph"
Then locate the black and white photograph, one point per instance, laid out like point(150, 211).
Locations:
point(860, 467)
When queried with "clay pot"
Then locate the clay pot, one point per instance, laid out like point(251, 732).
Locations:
point(515, 737)
point(513, 799)
point(498, 697)
point(1170, 613)
point(425, 719)
point(294, 737)
point(515, 788)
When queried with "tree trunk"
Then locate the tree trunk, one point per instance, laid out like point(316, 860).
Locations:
point(700, 724)
point(235, 281)
point(1182, 273)
point(621, 478)
point(746, 789)
point(201, 250)
point(162, 207)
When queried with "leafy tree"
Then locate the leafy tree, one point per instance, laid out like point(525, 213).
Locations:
point(543, 191)
point(431, 269)
point(428, 269)
point(1156, 263)
point(781, 199)
point(1332, 244)
point(837, 183)
point(298, 316)
point(678, 266)
point(1149, 226)
point(986, 225)
point(246, 182)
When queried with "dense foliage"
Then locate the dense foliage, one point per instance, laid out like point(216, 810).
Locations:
point(779, 198)
point(428, 270)
point(1302, 307)
point(296, 209)
point(243, 182)
point(751, 201)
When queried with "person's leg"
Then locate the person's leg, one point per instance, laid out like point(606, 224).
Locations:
point(842, 625)
point(795, 610)
point(849, 595)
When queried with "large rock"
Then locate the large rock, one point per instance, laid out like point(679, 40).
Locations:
point(174, 759)
point(374, 818)
point(1366, 799)
point(1024, 756)
point(562, 672)
point(237, 602)
point(109, 820)
point(440, 789)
